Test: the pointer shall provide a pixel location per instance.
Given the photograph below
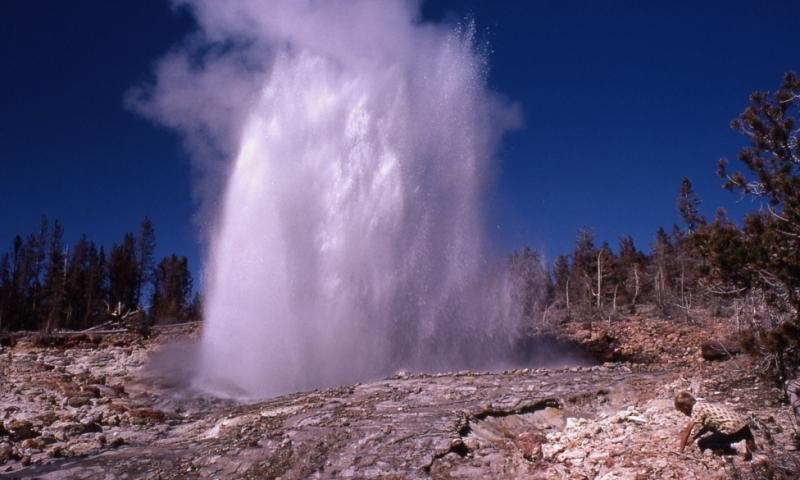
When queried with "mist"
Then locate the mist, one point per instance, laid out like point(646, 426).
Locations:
point(343, 154)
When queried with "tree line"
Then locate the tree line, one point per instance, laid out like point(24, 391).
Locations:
point(46, 284)
point(750, 272)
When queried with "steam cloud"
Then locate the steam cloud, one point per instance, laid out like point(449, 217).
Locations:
point(343, 151)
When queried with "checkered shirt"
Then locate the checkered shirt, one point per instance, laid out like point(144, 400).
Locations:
point(717, 418)
point(793, 389)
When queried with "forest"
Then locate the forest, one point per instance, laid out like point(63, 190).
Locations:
point(46, 285)
point(748, 272)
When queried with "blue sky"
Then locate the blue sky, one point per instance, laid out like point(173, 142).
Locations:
point(620, 100)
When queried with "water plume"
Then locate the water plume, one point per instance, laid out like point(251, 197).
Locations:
point(349, 239)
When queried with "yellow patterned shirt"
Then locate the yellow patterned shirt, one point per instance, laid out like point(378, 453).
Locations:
point(793, 389)
point(717, 418)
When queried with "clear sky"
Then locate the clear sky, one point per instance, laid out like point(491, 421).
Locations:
point(620, 100)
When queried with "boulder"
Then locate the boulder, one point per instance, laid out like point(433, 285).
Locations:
point(5, 453)
point(530, 444)
point(92, 391)
point(21, 430)
point(77, 401)
point(719, 350)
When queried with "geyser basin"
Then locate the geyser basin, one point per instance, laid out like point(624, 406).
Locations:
point(350, 242)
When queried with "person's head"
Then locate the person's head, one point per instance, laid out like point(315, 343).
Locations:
point(684, 402)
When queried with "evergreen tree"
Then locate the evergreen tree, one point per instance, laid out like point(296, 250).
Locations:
point(772, 162)
point(44, 285)
point(686, 260)
point(96, 286)
point(76, 285)
point(561, 272)
point(196, 308)
point(172, 290)
point(724, 257)
point(630, 269)
point(30, 279)
point(145, 245)
point(123, 270)
point(661, 266)
point(15, 305)
point(606, 280)
point(529, 282)
point(582, 274)
point(688, 203)
point(54, 281)
point(5, 291)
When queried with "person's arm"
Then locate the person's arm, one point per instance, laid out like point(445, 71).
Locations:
point(687, 430)
point(703, 429)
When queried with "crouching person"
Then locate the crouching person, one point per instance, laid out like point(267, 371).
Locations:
point(726, 427)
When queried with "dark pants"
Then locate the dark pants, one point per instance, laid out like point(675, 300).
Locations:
point(723, 441)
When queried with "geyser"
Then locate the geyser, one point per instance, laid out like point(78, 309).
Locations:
point(350, 240)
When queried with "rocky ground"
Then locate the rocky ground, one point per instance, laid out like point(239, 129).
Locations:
point(85, 406)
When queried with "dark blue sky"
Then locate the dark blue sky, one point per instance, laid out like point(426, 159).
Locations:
point(620, 98)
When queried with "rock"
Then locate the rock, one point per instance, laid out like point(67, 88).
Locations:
point(718, 350)
point(530, 444)
point(461, 425)
point(56, 452)
point(116, 442)
point(549, 418)
point(144, 416)
point(47, 418)
point(20, 430)
point(5, 453)
point(92, 391)
point(32, 444)
point(583, 335)
point(65, 430)
point(77, 401)
point(68, 388)
point(105, 391)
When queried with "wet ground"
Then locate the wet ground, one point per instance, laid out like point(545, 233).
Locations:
point(95, 412)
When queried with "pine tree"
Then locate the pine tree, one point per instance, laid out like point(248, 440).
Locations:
point(582, 275)
point(724, 258)
point(5, 291)
point(123, 270)
point(172, 290)
point(772, 161)
point(196, 308)
point(688, 203)
point(561, 272)
point(16, 301)
point(54, 281)
point(661, 267)
point(630, 272)
point(763, 259)
point(686, 260)
point(529, 282)
point(96, 286)
point(145, 245)
point(74, 310)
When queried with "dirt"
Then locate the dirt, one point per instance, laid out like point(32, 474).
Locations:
point(88, 408)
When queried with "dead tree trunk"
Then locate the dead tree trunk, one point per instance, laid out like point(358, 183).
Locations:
point(614, 304)
point(599, 279)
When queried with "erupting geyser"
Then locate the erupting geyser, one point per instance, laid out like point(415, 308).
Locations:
point(350, 241)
